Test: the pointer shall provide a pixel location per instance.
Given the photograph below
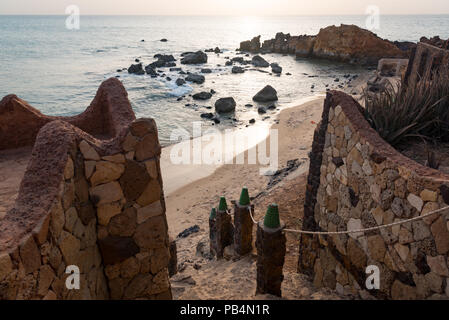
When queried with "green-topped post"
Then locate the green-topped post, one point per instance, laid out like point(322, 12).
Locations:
point(243, 231)
point(271, 251)
point(224, 229)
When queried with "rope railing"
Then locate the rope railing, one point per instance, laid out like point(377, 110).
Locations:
point(322, 233)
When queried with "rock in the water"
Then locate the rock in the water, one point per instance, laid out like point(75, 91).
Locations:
point(236, 69)
point(267, 94)
point(206, 70)
point(198, 57)
point(252, 121)
point(180, 82)
point(225, 105)
point(258, 61)
point(196, 78)
point(164, 40)
point(165, 57)
point(228, 63)
point(136, 69)
point(150, 71)
point(261, 110)
point(276, 68)
point(202, 96)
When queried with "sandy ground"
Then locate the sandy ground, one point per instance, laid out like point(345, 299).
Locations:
point(13, 164)
point(202, 278)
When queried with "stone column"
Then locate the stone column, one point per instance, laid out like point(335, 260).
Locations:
point(224, 228)
point(271, 251)
point(243, 225)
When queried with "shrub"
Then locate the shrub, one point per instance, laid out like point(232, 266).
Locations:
point(417, 110)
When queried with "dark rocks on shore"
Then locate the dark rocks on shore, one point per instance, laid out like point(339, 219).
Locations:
point(196, 78)
point(261, 110)
point(267, 94)
point(206, 70)
point(198, 57)
point(228, 63)
point(238, 59)
point(202, 96)
point(207, 115)
point(237, 69)
point(276, 68)
point(225, 105)
point(258, 61)
point(136, 69)
point(180, 82)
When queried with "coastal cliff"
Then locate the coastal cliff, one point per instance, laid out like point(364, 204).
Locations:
point(346, 43)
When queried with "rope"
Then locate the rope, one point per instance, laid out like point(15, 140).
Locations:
point(251, 214)
point(368, 229)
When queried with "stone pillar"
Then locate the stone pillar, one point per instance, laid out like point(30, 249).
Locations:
point(271, 251)
point(224, 229)
point(243, 225)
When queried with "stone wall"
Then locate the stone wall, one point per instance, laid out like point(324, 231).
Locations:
point(96, 204)
point(356, 180)
point(425, 59)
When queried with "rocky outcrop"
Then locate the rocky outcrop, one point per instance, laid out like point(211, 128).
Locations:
point(347, 43)
point(436, 42)
point(251, 46)
point(304, 46)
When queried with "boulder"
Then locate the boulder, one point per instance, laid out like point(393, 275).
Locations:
point(165, 57)
point(236, 69)
point(225, 105)
point(198, 57)
point(258, 61)
point(196, 78)
point(275, 68)
point(180, 82)
point(349, 43)
point(136, 69)
point(202, 96)
point(267, 94)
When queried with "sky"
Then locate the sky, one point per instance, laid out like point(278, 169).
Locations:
point(224, 7)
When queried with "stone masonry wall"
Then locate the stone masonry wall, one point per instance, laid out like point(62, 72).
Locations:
point(356, 181)
point(95, 204)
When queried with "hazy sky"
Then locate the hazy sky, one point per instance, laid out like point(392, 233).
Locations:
point(224, 7)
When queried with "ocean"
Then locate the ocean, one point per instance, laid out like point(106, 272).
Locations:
point(58, 70)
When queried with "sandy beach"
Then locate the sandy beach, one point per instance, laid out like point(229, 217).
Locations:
point(201, 278)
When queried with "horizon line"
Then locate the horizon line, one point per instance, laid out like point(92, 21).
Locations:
point(225, 15)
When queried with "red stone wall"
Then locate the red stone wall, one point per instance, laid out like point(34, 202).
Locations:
point(96, 204)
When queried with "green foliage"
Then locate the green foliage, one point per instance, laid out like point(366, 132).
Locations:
point(418, 110)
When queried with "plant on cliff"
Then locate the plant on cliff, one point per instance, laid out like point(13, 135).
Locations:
point(418, 110)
